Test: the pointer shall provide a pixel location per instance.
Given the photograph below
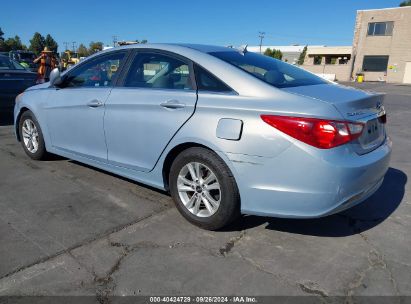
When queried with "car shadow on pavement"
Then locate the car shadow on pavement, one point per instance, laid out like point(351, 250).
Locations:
point(360, 218)
point(6, 117)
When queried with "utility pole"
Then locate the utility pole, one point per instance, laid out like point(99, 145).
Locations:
point(66, 45)
point(115, 40)
point(74, 46)
point(261, 35)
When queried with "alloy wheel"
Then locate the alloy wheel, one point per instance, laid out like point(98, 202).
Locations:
point(30, 136)
point(199, 189)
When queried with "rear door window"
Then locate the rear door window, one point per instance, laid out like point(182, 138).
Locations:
point(159, 71)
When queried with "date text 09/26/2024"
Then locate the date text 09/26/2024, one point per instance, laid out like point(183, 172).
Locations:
point(203, 299)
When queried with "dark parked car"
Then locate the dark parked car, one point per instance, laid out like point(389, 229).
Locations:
point(25, 58)
point(14, 79)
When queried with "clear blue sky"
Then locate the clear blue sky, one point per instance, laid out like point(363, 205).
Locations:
point(222, 22)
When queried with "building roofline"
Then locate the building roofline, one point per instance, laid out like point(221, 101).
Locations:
point(384, 9)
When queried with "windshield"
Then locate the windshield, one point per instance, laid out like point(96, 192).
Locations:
point(270, 70)
point(27, 56)
point(7, 64)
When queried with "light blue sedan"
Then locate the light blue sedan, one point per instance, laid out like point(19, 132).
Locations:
point(225, 131)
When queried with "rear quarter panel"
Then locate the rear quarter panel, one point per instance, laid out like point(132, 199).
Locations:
point(257, 138)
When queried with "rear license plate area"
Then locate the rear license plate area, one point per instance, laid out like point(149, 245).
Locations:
point(373, 133)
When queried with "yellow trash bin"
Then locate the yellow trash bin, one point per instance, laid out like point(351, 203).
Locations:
point(360, 78)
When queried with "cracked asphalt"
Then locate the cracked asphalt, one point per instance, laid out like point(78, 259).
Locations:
point(68, 229)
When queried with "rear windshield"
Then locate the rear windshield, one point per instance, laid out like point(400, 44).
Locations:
point(7, 64)
point(270, 70)
point(27, 56)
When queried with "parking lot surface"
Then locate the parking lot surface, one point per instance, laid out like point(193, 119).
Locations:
point(68, 229)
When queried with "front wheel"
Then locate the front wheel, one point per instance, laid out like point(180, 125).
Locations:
point(204, 189)
point(31, 136)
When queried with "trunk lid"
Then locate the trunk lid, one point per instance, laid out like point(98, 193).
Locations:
point(354, 105)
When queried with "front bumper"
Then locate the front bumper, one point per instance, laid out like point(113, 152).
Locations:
point(304, 182)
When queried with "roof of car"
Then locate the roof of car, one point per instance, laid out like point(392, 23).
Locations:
point(198, 47)
point(206, 48)
point(241, 82)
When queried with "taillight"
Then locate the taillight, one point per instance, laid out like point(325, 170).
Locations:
point(320, 133)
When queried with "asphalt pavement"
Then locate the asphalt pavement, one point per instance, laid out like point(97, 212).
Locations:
point(68, 229)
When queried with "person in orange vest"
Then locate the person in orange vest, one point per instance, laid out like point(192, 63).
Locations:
point(47, 63)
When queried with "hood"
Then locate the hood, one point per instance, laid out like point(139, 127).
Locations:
point(39, 86)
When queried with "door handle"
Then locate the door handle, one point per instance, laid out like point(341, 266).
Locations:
point(172, 104)
point(95, 103)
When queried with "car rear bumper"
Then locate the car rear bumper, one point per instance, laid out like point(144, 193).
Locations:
point(307, 183)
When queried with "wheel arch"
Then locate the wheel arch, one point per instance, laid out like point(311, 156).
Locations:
point(179, 148)
point(172, 154)
point(16, 126)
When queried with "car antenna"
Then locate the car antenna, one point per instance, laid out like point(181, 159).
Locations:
point(243, 49)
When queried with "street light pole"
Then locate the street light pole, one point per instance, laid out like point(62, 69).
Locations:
point(261, 35)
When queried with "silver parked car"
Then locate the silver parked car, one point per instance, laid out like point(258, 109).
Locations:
point(226, 131)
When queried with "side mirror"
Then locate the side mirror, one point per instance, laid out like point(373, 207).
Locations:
point(55, 78)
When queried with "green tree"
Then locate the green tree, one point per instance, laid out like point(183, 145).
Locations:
point(3, 46)
point(302, 56)
point(14, 44)
point(277, 54)
point(268, 52)
point(406, 3)
point(51, 43)
point(95, 47)
point(144, 41)
point(37, 43)
point(82, 50)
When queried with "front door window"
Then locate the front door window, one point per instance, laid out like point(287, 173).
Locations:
point(99, 72)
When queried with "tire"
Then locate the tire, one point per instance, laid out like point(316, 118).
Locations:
point(29, 130)
point(222, 199)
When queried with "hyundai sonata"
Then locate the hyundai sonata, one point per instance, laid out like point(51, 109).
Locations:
point(224, 130)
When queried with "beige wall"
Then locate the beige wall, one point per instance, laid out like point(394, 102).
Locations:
point(407, 76)
point(397, 46)
point(342, 72)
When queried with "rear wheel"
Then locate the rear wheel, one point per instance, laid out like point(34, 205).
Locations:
point(203, 189)
point(31, 136)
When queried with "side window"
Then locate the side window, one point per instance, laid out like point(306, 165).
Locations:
point(208, 82)
point(152, 70)
point(380, 28)
point(99, 72)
